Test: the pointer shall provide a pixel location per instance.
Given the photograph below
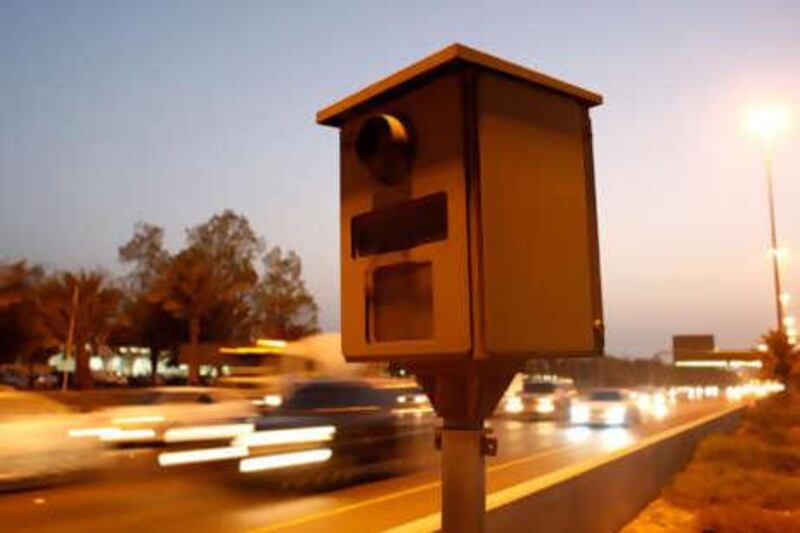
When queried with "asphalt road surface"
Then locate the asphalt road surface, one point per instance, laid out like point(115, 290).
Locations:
point(135, 495)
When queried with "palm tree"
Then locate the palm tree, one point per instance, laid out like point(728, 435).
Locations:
point(16, 280)
point(21, 336)
point(191, 288)
point(79, 310)
point(781, 356)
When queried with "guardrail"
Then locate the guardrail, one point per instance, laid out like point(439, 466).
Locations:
point(599, 495)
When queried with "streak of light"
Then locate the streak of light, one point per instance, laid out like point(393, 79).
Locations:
point(286, 436)
point(194, 433)
point(202, 456)
point(121, 435)
point(284, 460)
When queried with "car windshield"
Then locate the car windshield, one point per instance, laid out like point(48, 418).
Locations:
point(335, 395)
point(606, 396)
point(539, 388)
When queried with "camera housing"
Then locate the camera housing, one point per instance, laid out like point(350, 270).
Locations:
point(468, 218)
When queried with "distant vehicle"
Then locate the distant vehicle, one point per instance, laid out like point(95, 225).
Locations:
point(326, 433)
point(167, 414)
point(409, 397)
point(605, 407)
point(35, 448)
point(653, 401)
point(539, 399)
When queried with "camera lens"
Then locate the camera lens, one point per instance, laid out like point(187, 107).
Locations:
point(383, 146)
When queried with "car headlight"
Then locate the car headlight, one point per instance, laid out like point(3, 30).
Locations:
point(513, 405)
point(615, 415)
point(273, 400)
point(579, 414)
point(545, 405)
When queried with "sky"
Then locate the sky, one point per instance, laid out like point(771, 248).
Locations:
point(113, 112)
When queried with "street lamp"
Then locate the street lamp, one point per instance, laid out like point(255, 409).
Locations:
point(767, 122)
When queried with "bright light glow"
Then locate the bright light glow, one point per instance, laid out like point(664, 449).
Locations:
point(513, 405)
point(579, 414)
point(615, 415)
point(789, 321)
point(785, 298)
point(276, 344)
point(702, 363)
point(195, 433)
point(643, 401)
point(206, 455)
point(763, 348)
point(246, 350)
point(660, 411)
point(126, 435)
point(284, 460)
point(576, 435)
point(616, 438)
point(768, 121)
point(780, 253)
point(154, 419)
point(273, 400)
point(545, 406)
point(286, 436)
point(745, 364)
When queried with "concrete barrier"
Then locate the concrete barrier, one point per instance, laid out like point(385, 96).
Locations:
point(599, 495)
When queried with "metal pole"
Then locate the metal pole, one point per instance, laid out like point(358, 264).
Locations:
point(70, 334)
point(463, 480)
point(776, 271)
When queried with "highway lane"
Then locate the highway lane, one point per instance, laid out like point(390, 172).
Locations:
point(136, 495)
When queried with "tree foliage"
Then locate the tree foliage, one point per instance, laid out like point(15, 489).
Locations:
point(85, 302)
point(780, 357)
point(144, 321)
point(284, 307)
point(21, 335)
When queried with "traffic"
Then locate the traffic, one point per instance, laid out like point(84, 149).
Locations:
point(324, 434)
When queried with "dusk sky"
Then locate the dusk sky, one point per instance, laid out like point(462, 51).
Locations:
point(168, 112)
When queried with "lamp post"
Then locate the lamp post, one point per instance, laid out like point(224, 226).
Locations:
point(766, 122)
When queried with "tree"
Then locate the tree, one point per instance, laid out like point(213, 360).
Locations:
point(284, 307)
point(232, 247)
point(79, 309)
point(192, 287)
point(145, 251)
point(21, 335)
point(144, 321)
point(780, 356)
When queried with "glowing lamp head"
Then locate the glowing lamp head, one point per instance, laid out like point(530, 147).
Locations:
point(767, 122)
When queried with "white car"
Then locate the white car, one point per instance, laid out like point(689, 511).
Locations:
point(539, 400)
point(171, 414)
point(35, 448)
point(605, 407)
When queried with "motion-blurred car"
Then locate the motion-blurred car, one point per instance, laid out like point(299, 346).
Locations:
point(35, 448)
point(539, 400)
point(170, 414)
point(605, 407)
point(326, 433)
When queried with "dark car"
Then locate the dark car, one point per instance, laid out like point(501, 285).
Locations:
point(325, 434)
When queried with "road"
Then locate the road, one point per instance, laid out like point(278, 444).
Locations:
point(133, 494)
